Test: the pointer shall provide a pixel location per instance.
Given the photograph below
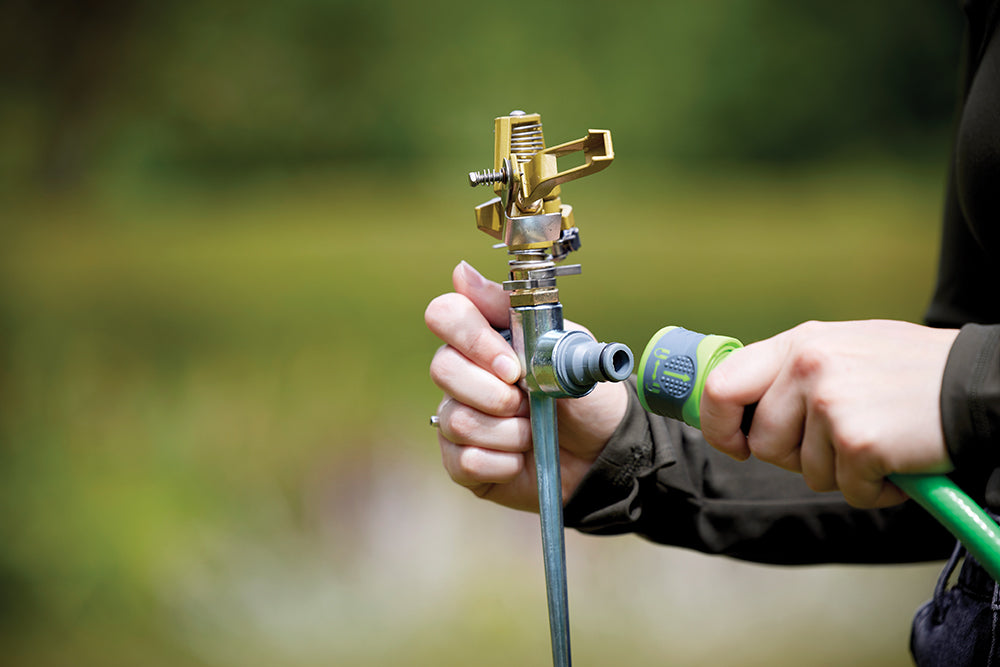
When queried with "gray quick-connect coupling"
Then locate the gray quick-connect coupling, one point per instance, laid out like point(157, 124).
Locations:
point(571, 363)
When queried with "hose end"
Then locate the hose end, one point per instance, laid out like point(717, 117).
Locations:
point(616, 362)
point(579, 362)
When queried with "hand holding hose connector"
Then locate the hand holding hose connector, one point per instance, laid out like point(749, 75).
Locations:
point(672, 375)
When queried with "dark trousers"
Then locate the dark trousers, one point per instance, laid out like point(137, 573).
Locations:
point(961, 625)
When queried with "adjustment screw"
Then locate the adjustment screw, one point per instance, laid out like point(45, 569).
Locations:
point(487, 176)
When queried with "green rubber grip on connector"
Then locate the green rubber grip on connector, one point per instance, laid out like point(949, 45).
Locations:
point(673, 369)
point(672, 375)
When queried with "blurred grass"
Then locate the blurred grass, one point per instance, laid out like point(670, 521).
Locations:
point(214, 437)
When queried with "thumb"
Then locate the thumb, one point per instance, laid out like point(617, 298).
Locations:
point(740, 380)
point(488, 296)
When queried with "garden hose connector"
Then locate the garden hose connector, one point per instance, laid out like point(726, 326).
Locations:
point(673, 369)
point(571, 363)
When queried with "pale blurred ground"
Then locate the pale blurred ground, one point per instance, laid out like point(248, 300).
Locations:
point(437, 579)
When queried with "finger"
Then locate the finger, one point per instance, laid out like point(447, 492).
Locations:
point(464, 425)
point(865, 487)
point(489, 297)
point(873, 495)
point(476, 387)
point(890, 495)
point(473, 466)
point(818, 456)
point(456, 320)
point(776, 432)
point(740, 380)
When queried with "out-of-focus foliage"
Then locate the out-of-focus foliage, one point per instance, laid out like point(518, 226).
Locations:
point(225, 86)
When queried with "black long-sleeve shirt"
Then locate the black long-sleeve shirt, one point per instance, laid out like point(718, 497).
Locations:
point(659, 479)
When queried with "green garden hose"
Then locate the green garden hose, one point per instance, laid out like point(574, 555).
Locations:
point(958, 513)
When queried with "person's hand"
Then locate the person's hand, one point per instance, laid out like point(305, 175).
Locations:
point(844, 403)
point(484, 430)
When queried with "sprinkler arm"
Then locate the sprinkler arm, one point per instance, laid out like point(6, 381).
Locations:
point(541, 174)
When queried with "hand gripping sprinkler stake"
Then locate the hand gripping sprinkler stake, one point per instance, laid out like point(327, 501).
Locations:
point(529, 219)
point(672, 375)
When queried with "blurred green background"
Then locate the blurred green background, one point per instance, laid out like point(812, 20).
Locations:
point(221, 222)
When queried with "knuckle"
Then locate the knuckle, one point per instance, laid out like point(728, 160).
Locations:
point(471, 464)
point(791, 460)
point(713, 389)
point(808, 328)
point(821, 402)
point(854, 442)
point(859, 494)
point(780, 453)
point(456, 461)
point(716, 388)
point(809, 361)
point(439, 368)
point(760, 451)
point(503, 402)
point(858, 452)
point(462, 424)
point(478, 340)
point(448, 456)
point(500, 400)
point(820, 483)
point(446, 314)
point(438, 308)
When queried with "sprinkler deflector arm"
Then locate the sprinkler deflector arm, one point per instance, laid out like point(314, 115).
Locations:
point(672, 375)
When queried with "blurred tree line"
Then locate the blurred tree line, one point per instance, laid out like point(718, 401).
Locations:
point(227, 86)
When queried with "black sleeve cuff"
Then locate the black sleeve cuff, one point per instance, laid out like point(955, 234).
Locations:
point(970, 397)
point(606, 502)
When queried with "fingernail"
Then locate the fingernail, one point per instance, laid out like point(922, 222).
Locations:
point(507, 368)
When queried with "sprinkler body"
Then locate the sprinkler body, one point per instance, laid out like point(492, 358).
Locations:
point(538, 231)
